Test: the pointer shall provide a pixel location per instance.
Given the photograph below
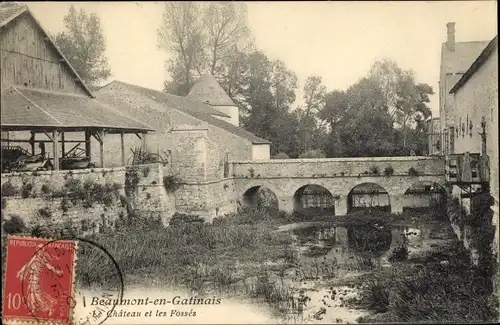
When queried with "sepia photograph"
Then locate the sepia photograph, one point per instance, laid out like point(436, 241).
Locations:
point(249, 162)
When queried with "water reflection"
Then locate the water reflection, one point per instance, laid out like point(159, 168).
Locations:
point(339, 242)
point(333, 257)
point(320, 240)
point(369, 238)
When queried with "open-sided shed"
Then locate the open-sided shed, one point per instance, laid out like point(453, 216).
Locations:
point(54, 114)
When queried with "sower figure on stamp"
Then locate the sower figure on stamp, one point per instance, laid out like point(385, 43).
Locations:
point(36, 298)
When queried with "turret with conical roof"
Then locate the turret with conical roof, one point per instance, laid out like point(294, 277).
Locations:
point(209, 91)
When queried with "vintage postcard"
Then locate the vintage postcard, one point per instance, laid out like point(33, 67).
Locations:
point(249, 162)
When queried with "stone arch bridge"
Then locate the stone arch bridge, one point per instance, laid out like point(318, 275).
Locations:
point(339, 176)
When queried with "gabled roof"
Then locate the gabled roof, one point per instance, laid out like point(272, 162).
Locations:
point(27, 108)
point(178, 102)
point(208, 90)
point(485, 54)
point(459, 61)
point(11, 11)
point(193, 108)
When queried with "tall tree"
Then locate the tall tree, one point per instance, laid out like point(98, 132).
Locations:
point(335, 107)
point(203, 37)
point(84, 45)
point(225, 26)
point(360, 123)
point(367, 127)
point(388, 75)
point(284, 84)
point(314, 99)
point(404, 97)
point(180, 34)
point(412, 99)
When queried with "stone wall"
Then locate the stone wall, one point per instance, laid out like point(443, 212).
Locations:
point(25, 194)
point(261, 152)
point(475, 100)
point(47, 212)
point(337, 167)
point(164, 119)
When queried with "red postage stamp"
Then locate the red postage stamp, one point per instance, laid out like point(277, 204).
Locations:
point(38, 280)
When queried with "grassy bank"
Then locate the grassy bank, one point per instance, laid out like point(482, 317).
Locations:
point(187, 253)
point(430, 290)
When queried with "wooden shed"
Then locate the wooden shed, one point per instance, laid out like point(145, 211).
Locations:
point(41, 93)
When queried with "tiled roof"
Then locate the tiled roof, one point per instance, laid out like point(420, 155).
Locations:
point(465, 53)
point(485, 54)
point(193, 108)
point(181, 103)
point(208, 90)
point(10, 11)
point(231, 128)
point(24, 108)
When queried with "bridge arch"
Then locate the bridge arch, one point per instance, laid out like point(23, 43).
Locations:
point(368, 196)
point(260, 197)
point(313, 199)
point(425, 197)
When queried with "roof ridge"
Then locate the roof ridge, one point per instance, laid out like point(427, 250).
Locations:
point(25, 8)
point(485, 54)
point(483, 41)
point(50, 91)
point(36, 105)
point(162, 93)
point(203, 116)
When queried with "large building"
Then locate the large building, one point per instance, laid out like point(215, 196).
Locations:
point(207, 110)
point(456, 58)
point(475, 98)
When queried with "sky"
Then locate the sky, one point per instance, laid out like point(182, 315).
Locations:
point(338, 41)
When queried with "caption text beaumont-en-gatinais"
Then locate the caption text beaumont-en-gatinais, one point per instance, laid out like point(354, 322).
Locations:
point(176, 301)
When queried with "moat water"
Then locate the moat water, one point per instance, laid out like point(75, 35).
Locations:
point(330, 257)
point(324, 270)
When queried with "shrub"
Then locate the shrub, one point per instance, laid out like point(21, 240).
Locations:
point(413, 172)
point(26, 190)
point(65, 204)
point(46, 188)
point(62, 192)
point(171, 183)
point(281, 155)
point(105, 194)
point(131, 181)
point(316, 153)
point(399, 253)
point(45, 213)
point(388, 171)
point(14, 225)
point(374, 170)
point(75, 190)
point(9, 190)
point(375, 296)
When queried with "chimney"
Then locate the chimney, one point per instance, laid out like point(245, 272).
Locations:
point(450, 40)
